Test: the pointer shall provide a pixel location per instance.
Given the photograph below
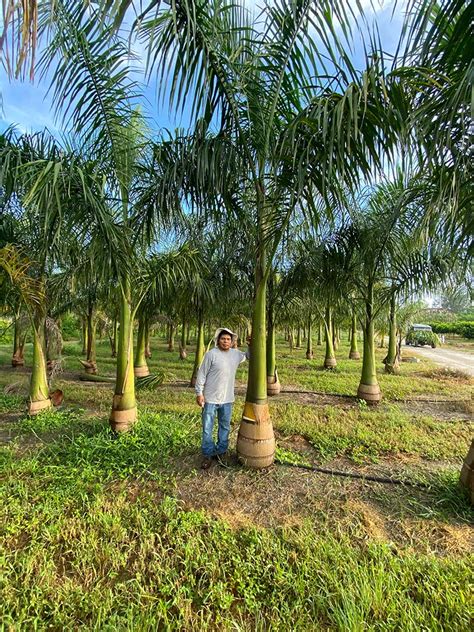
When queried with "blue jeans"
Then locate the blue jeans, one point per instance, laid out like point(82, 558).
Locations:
point(224, 414)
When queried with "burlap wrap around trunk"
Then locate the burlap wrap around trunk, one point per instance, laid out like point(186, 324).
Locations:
point(354, 355)
point(141, 371)
point(330, 363)
point(122, 420)
point(36, 407)
point(370, 393)
point(273, 385)
point(256, 441)
point(467, 472)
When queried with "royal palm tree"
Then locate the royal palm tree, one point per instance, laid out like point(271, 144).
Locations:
point(93, 91)
point(44, 231)
point(255, 81)
point(389, 250)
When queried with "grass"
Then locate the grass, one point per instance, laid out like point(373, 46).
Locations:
point(124, 533)
point(362, 434)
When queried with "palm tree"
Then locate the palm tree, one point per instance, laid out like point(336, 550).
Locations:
point(32, 292)
point(92, 88)
point(42, 228)
point(250, 78)
point(388, 252)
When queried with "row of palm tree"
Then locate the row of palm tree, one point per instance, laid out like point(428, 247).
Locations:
point(286, 133)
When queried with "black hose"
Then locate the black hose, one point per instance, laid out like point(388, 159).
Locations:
point(375, 479)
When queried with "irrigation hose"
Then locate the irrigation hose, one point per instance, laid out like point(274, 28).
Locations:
point(374, 479)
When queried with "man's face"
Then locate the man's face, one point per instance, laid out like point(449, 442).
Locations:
point(225, 342)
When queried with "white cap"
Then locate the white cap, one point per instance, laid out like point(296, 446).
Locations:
point(219, 330)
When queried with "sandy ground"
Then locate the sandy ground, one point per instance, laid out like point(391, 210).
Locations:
point(445, 357)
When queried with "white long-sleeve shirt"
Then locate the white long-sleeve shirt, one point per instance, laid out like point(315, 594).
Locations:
point(216, 375)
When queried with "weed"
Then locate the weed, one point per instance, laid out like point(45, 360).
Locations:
point(10, 403)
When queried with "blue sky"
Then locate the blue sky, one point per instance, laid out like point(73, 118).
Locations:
point(28, 106)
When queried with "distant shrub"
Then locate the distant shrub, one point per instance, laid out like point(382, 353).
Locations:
point(461, 328)
point(466, 330)
point(70, 327)
point(6, 331)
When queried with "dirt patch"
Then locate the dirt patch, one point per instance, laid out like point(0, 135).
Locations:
point(271, 498)
point(449, 374)
point(365, 513)
point(446, 410)
point(288, 497)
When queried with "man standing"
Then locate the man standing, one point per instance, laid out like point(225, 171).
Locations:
point(215, 392)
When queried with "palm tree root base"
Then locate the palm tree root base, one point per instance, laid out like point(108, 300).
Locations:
point(182, 353)
point(392, 369)
point(18, 361)
point(330, 363)
point(309, 355)
point(467, 472)
point(354, 355)
point(256, 440)
point(370, 393)
point(273, 385)
point(141, 371)
point(36, 407)
point(193, 381)
point(89, 367)
point(123, 420)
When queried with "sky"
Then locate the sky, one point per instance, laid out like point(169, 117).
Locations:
point(29, 107)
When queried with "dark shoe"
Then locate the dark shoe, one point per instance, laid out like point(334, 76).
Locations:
point(206, 463)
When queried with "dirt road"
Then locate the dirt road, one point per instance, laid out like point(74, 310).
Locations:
point(447, 358)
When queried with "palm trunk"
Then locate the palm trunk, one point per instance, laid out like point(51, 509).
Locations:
point(188, 334)
point(256, 441)
point(309, 343)
point(171, 332)
point(199, 354)
point(91, 365)
point(273, 383)
point(113, 342)
point(335, 340)
point(369, 390)
point(298, 338)
point(147, 340)
point(19, 336)
point(141, 367)
point(124, 407)
point(291, 340)
point(182, 347)
point(320, 335)
point(391, 361)
point(330, 358)
point(354, 352)
point(84, 336)
point(39, 391)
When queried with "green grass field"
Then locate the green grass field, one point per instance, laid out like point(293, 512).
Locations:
point(104, 533)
